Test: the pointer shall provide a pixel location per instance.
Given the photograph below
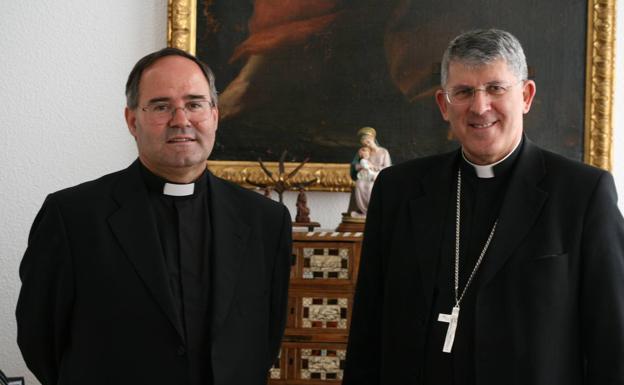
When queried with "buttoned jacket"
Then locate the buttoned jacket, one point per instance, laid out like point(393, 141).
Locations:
point(550, 306)
point(95, 305)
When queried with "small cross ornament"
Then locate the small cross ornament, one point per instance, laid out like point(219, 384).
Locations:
point(451, 319)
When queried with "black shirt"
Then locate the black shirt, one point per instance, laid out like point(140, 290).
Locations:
point(481, 200)
point(184, 229)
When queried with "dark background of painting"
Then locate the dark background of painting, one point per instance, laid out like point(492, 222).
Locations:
point(313, 98)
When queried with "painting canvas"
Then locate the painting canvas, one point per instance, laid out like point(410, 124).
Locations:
point(306, 75)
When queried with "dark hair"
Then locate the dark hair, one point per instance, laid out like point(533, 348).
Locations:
point(132, 85)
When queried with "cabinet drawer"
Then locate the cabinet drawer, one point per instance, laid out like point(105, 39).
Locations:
point(331, 263)
point(319, 312)
point(310, 364)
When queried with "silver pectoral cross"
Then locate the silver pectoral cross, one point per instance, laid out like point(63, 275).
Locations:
point(451, 319)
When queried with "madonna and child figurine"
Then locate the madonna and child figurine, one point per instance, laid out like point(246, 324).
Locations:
point(370, 159)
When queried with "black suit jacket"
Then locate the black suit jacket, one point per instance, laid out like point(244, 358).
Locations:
point(95, 306)
point(550, 310)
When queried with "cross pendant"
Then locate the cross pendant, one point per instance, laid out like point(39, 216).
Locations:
point(451, 319)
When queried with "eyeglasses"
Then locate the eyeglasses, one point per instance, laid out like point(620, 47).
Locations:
point(161, 112)
point(465, 95)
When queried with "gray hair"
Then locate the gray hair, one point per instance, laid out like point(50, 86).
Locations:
point(484, 46)
point(132, 85)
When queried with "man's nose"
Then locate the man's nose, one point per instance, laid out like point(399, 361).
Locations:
point(481, 102)
point(179, 118)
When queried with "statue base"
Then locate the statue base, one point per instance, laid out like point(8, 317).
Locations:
point(309, 225)
point(350, 223)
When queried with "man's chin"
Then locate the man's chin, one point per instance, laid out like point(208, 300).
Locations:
point(187, 160)
point(192, 163)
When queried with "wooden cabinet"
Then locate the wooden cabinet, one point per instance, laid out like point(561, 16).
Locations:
point(322, 283)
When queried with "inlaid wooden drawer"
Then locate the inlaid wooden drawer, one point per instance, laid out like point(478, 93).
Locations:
point(330, 262)
point(309, 364)
point(319, 312)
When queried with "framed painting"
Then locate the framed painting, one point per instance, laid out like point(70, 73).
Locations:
point(305, 75)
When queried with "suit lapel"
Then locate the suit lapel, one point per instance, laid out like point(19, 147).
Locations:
point(230, 235)
point(521, 207)
point(433, 203)
point(135, 228)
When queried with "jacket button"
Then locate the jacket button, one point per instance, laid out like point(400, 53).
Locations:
point(181, 351)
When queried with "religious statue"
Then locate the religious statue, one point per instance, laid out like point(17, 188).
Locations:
point(302, 219)
point(303, 212)
point(370, 159)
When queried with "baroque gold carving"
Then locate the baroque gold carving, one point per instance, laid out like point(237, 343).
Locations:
point(599, 83)
point(181, 33)
point(182, 24)
point(329, 176)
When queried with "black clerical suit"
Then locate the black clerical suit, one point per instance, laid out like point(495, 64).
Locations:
point(97, 306)
point(548, 306)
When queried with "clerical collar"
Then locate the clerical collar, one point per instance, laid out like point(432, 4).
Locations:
point(158, 185)
point(491, 170)
point(179, 190)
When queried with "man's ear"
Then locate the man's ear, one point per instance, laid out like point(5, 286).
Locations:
point(440, 98)
point(131, 121)
point(215, 116)
point(528, 93)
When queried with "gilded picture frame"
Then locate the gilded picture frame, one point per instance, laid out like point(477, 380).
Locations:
point(597, 115)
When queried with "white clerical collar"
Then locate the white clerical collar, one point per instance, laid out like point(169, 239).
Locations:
point(178, 190)
point(487, 170)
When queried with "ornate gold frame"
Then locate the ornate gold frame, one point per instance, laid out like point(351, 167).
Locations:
point(599, 83)
point(335, 177)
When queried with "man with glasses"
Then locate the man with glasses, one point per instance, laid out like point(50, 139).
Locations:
point(160, 273)
point(498, 263)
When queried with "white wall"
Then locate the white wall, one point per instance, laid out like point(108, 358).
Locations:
point(62, 76)
point(63, 69)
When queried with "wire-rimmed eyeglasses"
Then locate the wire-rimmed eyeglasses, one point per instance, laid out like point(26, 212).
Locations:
point(164, 111)
point(465, 95)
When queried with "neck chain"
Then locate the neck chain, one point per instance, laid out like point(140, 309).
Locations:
point(457, 231)
point(453, 318)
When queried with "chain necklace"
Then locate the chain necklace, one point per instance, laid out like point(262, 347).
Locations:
point(453, 318)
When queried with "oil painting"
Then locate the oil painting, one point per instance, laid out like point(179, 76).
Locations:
point(305, 76)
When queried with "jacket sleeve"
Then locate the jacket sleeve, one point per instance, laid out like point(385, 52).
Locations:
point(45, 299)
point(602, 287)
point(279, 287)
point(364, 347)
